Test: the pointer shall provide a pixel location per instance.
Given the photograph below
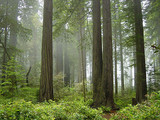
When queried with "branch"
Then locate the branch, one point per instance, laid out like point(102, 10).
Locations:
point(29, 71)
point(68, 18)
point(28, 74)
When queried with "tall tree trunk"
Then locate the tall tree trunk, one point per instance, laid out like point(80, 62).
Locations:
point(13, 30)
point(115, 49)
point(4, 55)
point(121, 58)
point(135, 67)
point(46, 80)
point(84, 62)
point(33, 53)
point(83, 67)
point(66, 66)
point(107, 75)
point(90, 59)
point(131, 77)
point(73, 75)
point(116, 80)
point(59, 57)
point(97, 55)
point(13, 37)
point(83, 49)
point(79, 59)
point(141, 88)
point(158, 41)
point(5, 45)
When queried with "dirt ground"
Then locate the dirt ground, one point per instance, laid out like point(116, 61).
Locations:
point(109, 115)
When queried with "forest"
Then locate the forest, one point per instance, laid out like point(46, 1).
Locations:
point(79, 60)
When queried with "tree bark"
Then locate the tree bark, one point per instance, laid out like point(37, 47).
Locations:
point(27, 75)
point(107, 75)
point(115, 49)
point(13, 36)
point(66, 67)
point(13, 30)
point(59, 57)
point(83, 49)
point(121, 58)
point(97, 55)
point(141, 88)
point(158, 41)
point(135, 67)
point(5, 44)
point(46, 80)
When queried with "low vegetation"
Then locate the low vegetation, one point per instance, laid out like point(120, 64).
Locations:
point(148, 110)
point(20, 110)
point(71, 107)
point(24, 105)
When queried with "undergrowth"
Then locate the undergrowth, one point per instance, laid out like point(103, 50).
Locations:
point(71, 107)
point(20, 110)
point(148, 110)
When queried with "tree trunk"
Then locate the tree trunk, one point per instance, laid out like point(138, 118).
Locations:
point(115, 49)
point(135, 67)
point(79, 59)
point(90, 59)
point(27, 75)
point(13, 37)
point(46, 80)
point(83, 49)
point(83, 68)
point(131, 80)
point(5, 45)
point(13, 30)
point(97, 55)
point(158, 41)
point(141, 88)
point(73, 75)
point(121, 57)
point(107, 75)
point(66, 67)
point(116, 80)
point(59, 57)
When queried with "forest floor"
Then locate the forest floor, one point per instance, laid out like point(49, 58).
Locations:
point(109, 115)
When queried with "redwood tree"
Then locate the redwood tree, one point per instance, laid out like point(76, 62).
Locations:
point(46, 80)
point(97, 55)
point(107, 75)
point(141, 87)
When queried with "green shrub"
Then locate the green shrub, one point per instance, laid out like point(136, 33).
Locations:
point(26, 93)
point(149, 110)
point(124, 101)
point(106, 109)
point(13, 77)
point(20, 110)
